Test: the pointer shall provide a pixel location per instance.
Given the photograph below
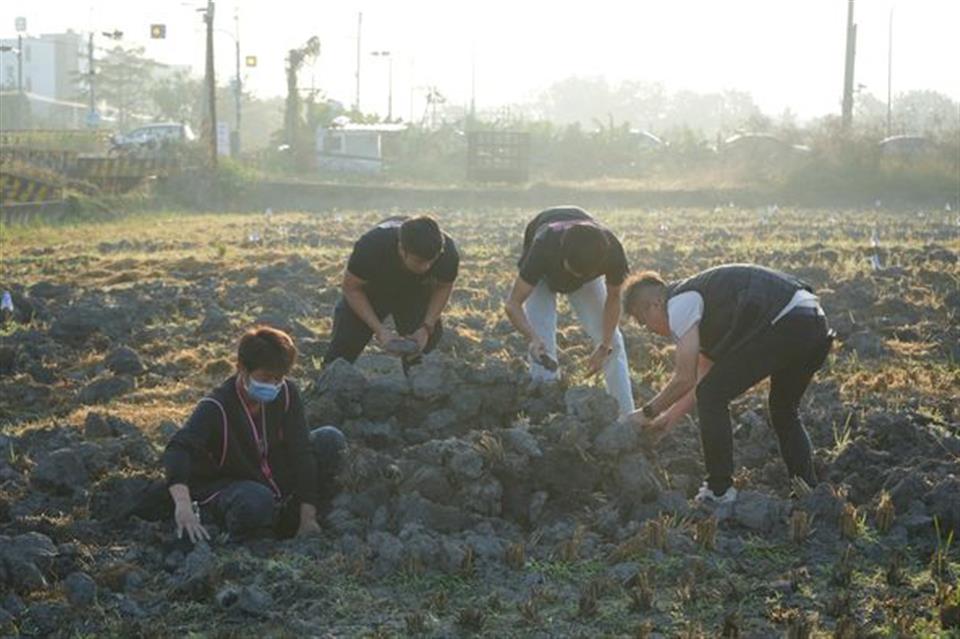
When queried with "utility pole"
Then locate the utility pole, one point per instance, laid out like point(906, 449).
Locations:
point(389, 57)
point(92, 72)
point(390, 90)
point(473, 84)
point(20, 64)
point(412, 88)
point(889, 73)
point(847, 115)
point(211, 86)
point(356, 102)
point(238, 96)
point(92, 117)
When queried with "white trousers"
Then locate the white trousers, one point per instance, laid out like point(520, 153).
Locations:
point(587, 302)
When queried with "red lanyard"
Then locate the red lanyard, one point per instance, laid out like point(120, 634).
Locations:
point(262, 444)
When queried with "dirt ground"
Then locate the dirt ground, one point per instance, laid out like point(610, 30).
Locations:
point(474, 505)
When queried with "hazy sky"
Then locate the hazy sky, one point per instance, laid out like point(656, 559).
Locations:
point(787, 53)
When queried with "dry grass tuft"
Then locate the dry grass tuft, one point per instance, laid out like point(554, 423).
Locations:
point(705, 533)
point(800, 526)
point(885, 512)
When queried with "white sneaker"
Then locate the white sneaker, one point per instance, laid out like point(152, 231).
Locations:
point(706, 495)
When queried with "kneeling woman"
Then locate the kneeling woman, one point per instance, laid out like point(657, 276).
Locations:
point(246, 457)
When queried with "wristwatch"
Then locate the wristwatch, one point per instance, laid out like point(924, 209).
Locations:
point(648, 411)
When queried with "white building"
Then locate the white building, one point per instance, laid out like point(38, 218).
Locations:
point(51, 65)
point(353, 148)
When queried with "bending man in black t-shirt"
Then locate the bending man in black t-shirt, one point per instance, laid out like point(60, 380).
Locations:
point(567, 251)
point(405, 268)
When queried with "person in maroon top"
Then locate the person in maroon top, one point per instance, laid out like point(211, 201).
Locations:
point(245, 458)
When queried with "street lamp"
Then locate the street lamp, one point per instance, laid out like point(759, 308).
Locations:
point(386, 54)
point(889, 71)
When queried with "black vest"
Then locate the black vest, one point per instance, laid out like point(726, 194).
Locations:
point(739, 302)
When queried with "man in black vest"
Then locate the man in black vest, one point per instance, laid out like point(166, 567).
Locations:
point(734, 325)
point(405, 268)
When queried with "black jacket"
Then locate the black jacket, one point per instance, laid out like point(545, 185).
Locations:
point(218, 445)
point(739, 302)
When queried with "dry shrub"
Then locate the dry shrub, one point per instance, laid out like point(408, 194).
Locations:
point(705, 533)
point(731, 625)
point(490, 448)
point(468, 563)
point(800, 522)
point(630, 547)
point(516, 555)
point(471, 619)
point(800, 488)
point(529, 611)
point(655, 533)
point(588, 605)
point(569, 550)
point(885, 512)
point(641, 591)
point(801, 625)
point(843, 569)
point(851, 521)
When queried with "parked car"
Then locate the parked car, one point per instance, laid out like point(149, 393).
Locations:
point(906, 145)
point(152, 137)
point(646, 141)
point(760, 146)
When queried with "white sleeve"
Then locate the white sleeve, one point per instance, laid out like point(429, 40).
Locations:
point(683, 311)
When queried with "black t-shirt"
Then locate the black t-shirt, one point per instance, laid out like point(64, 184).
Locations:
point(376, 260)
point(542, 258)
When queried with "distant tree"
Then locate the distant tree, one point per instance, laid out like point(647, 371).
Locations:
point(926, 112)
point(643, 103)
point(293, 115)
point(786, 127)
point(869, 112)
point(123, 79)
point(576, 99)
point(713, 113)
point(179, 98)
point(261, 118)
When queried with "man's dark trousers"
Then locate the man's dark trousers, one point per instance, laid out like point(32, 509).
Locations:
point(408, 308)
point(789, 352)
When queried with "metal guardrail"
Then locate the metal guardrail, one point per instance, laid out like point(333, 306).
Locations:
point(21, 189)
point(79, 140)
point(92, 168)
point(24, 213)
point(55, 160)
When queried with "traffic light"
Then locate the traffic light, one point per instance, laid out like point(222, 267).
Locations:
point(251, 61)
point(158, 31)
